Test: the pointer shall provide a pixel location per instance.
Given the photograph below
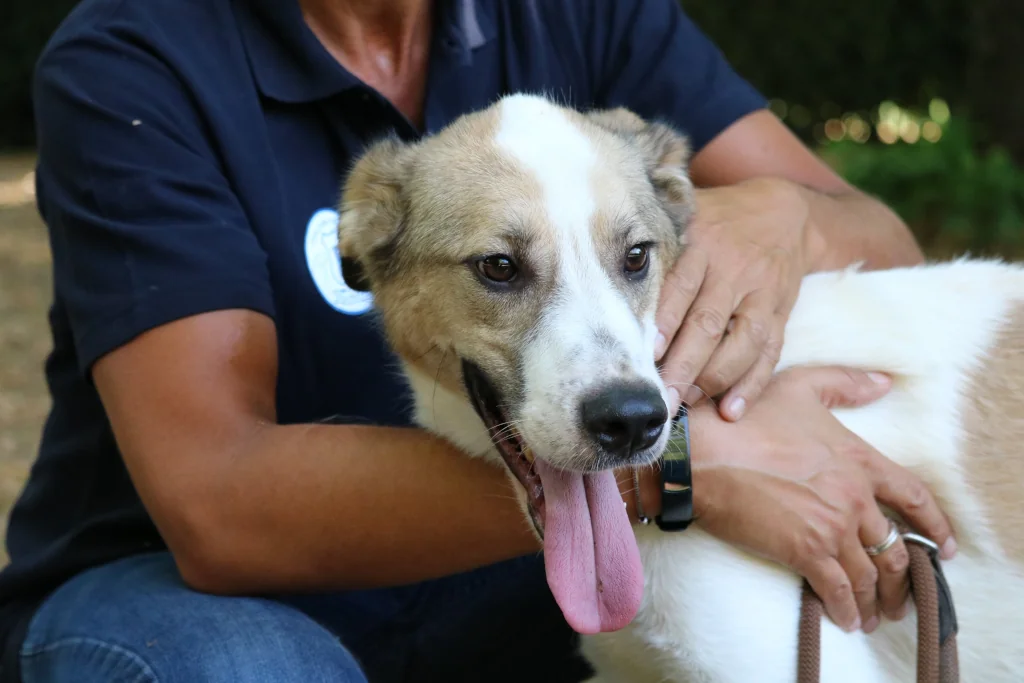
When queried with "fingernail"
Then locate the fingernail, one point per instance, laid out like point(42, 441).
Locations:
point(871, 624)
point(736, 407)
point(949, 549)
point(878, 378)
point(855, 626)
point(659, 346)
point(673, 399)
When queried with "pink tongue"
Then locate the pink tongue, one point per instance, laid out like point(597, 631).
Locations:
point(590, 553)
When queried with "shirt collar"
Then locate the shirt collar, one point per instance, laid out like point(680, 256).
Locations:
point(290, 65)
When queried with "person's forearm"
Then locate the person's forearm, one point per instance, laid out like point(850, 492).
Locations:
point(852, 227)
point(321, 507)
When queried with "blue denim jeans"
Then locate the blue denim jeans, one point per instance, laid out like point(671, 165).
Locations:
point(134, 620)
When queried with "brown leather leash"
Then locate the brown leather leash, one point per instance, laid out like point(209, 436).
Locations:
point(937, 657)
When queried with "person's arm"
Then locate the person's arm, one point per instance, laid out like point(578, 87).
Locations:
point(845, 225)
point(248, 505)
point(169, 298)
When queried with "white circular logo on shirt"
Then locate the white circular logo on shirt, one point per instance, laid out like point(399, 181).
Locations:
point(324, 264)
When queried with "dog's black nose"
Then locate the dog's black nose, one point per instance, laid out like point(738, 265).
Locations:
point(625, 419)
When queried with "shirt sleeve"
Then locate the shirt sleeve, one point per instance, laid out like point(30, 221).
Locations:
point(144, 226)
point(652, 59)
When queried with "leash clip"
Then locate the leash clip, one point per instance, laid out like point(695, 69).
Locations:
point(931, 546)
point(948, 625)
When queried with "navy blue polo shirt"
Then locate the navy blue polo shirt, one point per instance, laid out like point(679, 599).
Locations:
point(190, 156)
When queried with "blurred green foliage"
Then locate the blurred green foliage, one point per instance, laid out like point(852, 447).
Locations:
point(954, 197)
point(825, 58)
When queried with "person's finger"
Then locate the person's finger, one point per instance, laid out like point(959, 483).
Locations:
point(839, 386)
point(700, 334)
point(749, 388)
point(678, 292)
point(863, 576)
point(740, 350)
point(901, 490)
point(829, 580)
point(892, 565)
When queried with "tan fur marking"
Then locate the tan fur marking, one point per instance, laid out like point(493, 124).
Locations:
point(994, 427)
point(451, 195)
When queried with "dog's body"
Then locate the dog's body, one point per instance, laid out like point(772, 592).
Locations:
point(566, 195)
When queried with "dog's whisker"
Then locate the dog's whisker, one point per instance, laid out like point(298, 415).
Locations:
point(338, 418)
point(506, 430)
point(437, 382)
point(430, 349)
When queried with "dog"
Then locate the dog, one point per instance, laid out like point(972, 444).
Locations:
point(515, 260)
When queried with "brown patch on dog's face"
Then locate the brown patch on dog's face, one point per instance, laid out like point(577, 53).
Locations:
point(587, 210)
point(412, 214)
point(993, 422)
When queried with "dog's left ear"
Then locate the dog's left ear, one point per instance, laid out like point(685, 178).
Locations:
point(371, 212)
point(666, 152)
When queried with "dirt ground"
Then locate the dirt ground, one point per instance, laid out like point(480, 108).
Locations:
point(24, 337)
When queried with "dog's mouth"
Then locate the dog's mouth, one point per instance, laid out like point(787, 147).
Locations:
point(506, 438)
point(590, 553)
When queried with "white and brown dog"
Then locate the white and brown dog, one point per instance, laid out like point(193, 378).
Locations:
point(515, 260)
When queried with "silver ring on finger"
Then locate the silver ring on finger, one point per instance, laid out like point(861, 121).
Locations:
point(890, 541)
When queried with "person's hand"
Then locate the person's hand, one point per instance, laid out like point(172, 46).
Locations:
point(790, 483)
point(725, 303)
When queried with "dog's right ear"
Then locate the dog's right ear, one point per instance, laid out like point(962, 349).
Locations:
point(666, 152)
point(371, 212)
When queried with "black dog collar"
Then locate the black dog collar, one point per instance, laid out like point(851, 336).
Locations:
point(677, 478)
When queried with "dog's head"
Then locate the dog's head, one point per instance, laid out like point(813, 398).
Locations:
point(516, 259)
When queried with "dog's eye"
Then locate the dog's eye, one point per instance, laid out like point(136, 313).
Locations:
point(636, 260)
point(498, 268)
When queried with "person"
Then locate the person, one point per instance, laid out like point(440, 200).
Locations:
point(229, 487)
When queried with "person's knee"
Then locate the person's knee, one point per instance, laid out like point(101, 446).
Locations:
point(135, 621)
point(85, 659)
point(261, 640)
